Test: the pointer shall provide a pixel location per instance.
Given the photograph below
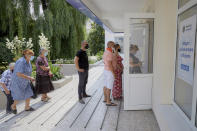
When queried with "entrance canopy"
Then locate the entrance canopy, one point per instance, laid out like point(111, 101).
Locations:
point(110, 13)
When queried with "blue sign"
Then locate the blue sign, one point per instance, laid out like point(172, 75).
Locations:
point(186, 50)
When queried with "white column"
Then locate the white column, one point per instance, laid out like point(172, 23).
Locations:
point(164, 51)
point(109, 36)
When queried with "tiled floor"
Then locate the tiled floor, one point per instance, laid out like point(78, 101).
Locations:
point(64, 113)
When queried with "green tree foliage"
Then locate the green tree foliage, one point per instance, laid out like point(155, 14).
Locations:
point(96, 39)
point(60, 22)
point(5, 57)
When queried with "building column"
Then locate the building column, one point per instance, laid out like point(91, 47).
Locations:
point(164, 51)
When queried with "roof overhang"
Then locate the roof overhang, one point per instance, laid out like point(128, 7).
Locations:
point(110, 13)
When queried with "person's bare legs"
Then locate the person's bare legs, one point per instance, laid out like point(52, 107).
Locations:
point(13, 106)
point(48, 97)
point(105, 93)
point(43, 97)
point(108, 92)
point(27, 102)
point(109, 103)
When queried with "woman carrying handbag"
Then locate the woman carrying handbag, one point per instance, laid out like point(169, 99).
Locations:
point(43, 76)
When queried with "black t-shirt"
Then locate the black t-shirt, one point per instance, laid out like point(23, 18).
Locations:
point(83, 59)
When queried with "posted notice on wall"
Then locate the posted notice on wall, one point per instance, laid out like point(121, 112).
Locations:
point(186, 49)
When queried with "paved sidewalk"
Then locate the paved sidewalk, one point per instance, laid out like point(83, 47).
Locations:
point(64, 113)
point(47, 114)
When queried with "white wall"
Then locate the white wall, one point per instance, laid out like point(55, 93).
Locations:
point(109, 36)
point(164, 51)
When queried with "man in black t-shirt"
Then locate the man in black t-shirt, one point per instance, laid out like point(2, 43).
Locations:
point(82, 65)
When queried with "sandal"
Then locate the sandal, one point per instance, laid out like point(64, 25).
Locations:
point(44, 99)
point(105, 101)
point(48, 98)
point(30, 109)
point(14, 111)
point(111, 104)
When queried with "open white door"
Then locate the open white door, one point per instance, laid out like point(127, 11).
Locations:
point(138, 79)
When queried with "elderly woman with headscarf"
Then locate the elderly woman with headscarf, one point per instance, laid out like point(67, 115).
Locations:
point(43, 80)
point(20, 81)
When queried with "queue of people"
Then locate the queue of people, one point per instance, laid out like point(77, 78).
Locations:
point(113, 69)
point(16, 81)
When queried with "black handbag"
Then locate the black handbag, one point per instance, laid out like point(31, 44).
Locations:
point(34, 91)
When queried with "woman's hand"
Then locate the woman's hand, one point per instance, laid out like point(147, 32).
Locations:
point(32, 79)
point(45, 68)
point(5, 88)
point(50, 74)
point(7, 91)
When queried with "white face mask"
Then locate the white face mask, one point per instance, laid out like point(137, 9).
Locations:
point(46, 53)
point(32, 58)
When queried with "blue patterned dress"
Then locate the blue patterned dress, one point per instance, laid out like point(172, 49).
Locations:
point(20, 87)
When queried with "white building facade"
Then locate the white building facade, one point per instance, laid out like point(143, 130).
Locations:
point(165, 32)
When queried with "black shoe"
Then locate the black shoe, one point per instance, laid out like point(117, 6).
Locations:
point(30, 109)
point(81, 101)
point(8, 112)
point(86, 95)
point(14, 111)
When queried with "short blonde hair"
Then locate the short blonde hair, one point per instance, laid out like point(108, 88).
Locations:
point(110, 42)
point(28, 52)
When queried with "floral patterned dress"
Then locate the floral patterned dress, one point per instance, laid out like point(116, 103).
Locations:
point(117, 88)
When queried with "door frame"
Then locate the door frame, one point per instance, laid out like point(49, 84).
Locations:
point(126, 75)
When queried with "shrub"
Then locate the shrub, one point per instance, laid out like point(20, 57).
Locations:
point(54, 69)
point(56, 72)
point(99, 55)
point(6, 57)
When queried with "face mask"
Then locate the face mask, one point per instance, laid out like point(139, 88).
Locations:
point(12, 71)
point(32, 58)
point(46, 53)
point(119, 50)
point(87, 46)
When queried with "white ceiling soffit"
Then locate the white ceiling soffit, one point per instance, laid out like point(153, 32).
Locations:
point(111, 12)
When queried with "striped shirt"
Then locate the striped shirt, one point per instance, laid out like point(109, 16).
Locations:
point(6, 79)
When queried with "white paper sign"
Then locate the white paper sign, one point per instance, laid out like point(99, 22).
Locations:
point(187, 36)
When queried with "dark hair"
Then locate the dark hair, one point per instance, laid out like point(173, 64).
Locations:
point(116, 46)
